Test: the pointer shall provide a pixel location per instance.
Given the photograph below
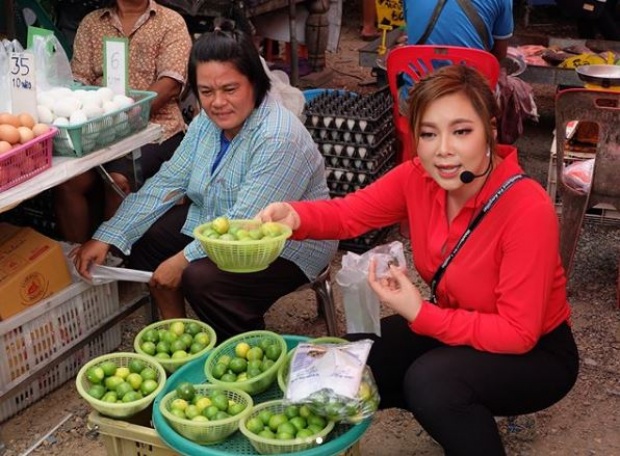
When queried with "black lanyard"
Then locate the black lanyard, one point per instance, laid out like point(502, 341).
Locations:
point(473, 224)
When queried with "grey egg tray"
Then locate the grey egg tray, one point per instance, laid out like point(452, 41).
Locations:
point(343, 181)
point(368, 138)
point(366, 241)
point(368, 164)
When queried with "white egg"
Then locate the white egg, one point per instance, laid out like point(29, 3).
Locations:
point(61, 122)
point(80, 94)
point(66, 106)
point(45, 99)
point(45, 114)
point(92, 111)
point(110, 106)
point(78, 117)
point(105, 93)
point(123, 101)
point(58, 93)
point(92, 97)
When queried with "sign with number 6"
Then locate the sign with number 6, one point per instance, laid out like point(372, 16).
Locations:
point(116, 64)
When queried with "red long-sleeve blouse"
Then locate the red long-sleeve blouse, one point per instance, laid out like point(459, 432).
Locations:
point(504, 289)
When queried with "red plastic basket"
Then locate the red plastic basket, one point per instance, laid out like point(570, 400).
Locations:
point(27, 160)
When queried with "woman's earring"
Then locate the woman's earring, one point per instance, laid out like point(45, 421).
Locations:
point(488, 152)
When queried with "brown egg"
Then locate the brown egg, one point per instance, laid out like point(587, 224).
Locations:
point(9, 134)
point(25, 135)
point(5, 147)
point(26, 120)
point(9, 119)
point(40, 129)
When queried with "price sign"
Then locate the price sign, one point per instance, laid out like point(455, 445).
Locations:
point(22, 82)
point(116, 69)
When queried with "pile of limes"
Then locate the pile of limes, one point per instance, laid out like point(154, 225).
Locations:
point(112, 383)
point(250, 230)
point(249, 361)
point(213, 406)
point(177, 342)
point(292, 422)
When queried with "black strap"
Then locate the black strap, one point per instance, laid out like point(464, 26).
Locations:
point(433, 20)
point(476, 20)
point(473, 224)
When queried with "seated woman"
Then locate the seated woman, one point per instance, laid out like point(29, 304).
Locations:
point(243, 151)
point(494, 336)
point(159, 46)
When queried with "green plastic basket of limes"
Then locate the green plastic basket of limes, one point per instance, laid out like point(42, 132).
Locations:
point(209, 415)
point(242, 245)
point(175, 342)
point(275, 427)
point(249, 361)
point(284, 368)
point(119, 385)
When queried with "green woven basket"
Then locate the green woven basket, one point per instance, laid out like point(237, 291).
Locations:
point(207, 432)
point(245, 255)
point(119, 410)
point(284, 368)
point(254, 385)
point(172, 365)
point(275, 446)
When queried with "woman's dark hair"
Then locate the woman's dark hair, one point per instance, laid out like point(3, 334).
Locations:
point(225, 44)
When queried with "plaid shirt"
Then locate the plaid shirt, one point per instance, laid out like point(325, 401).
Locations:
point(272, 158)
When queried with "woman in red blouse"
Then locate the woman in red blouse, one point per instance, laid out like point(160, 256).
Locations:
point(494, 338)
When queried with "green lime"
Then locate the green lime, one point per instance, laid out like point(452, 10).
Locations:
point(255, 425)
point(221, 415)
point(196, 348)
point(187, 339)
point(304, 411)
point(316, 420)
point(186, 390)
point(265, 342)
point(131, 396)
point(163, 347)
point(110, 397)
point(112, 382)
point(315, 428)
point(136, 366)
point(178, 413)
point(299, 422)
point(267, 434)
point(96, 391)
point(169, 337)
point(267, 364)
point(221, 402)
point(224, 359)
point(148, 373)
point(95, 374)
point(109, 368)
point(149, 348)
point(273, 352)
point(229, 377)
point(238, 365)
point(177, 327)
point(219, 370)
point(210, 412)
point(162, 355)
point(150, 335)
point(286, 428)
point(191, 411)
point(122, 389)
point(285, 436)
point(304, 433)
point(236, 408)
point(193, 328)
point(276, 420)
point(291, 411)
point(122, 372)
point(253, 372)
point(177, 345)
point(135, 380)
point(179, 354)
point(265, 415)
point(254, 353)
point(178, 404)
point(200, 418)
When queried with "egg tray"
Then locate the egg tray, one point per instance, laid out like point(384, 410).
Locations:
point(348, 111)
point(370, 162)
point(81, 139)
point(366, 139)
point(36, 212)
point(27, 160)
point(350, 181)
point(366, 241)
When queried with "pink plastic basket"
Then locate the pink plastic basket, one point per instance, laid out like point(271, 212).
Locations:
point(27, 160)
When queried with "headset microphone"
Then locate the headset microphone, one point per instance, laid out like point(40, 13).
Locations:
point(468, 177)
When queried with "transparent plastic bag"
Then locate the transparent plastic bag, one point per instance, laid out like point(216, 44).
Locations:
point(578, 175)
point(361, 305)
point(333, 380)
point(53, 68)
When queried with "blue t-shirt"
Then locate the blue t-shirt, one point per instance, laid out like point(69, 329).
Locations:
point(453, 27)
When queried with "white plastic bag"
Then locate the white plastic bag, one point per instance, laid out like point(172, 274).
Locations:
point(53, 68)
point(361, 305)
point(578, 175)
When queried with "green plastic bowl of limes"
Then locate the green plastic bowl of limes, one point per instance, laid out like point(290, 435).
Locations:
point(94, 382)
point(207, 431)
point(259, 382)
point(152, 332)
point(246, 254)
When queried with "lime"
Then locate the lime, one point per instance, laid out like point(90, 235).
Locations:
point(95, 374)
point(221, 402)
point(299, 422)
point(122, 372)
point(203, 403)
point(110, 397)
point(276, 420)
point(220, 225)
point(304, 433)
point(191, 411)
point(149, 348)
point(169, 337)
point(148, 373)
point(122, 389)
point(265, 342)
point(160, 334)
point(136, 366)
point(178, 404)
point(254, 353)
point(162, 355)
point(135, 380)
point(221, 415)
point(267, 434)
point(193, 328)
point(177, 327)
point(187, 339)
point(285, 436)
point(271, 229)
point(238, 365)
point(202, 338)
point(291, 411)
point(287, 428)
point(267, 364)
point(315, 428)
point(131, 396)
point(96, 391)
point(273, 352)
point(265, 415)
point(112, 382)
point(229, 377)
point(109, 368)
point(179, 354)
point(255, 234)
point(200, 418)
point(210, 412)
point(224, 359)
point(255, 425)
point(304, 411)
point(316, 420)
point(241, 349)
point(236, 408)
point(219, 370)
point(178, 413)
point(196, 348)
point(253, 372)
point(177, 345)
point(186, 391)
point(150, 335)
point(163, 347)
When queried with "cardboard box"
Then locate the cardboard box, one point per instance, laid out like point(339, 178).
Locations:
point(32, 267)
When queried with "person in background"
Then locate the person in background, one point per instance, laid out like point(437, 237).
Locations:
point(243, 151)
point(159, 46)
point(369, 21)
point(494, 337)
point(453, 27)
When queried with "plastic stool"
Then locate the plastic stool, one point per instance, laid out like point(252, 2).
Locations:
point(326, 307)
